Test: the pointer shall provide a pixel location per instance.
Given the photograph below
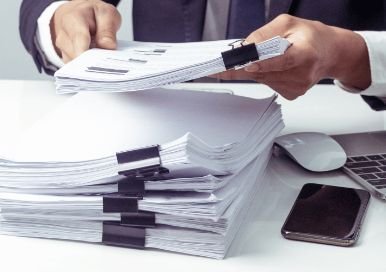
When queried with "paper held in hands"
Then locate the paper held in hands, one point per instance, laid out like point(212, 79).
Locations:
point(144, 65)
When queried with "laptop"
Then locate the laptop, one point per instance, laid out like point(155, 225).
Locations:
point(366, 159)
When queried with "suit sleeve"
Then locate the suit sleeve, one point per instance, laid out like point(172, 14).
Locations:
point(376, 103)
point(30, 11)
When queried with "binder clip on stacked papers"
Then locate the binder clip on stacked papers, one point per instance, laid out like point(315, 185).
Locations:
point(165, 169)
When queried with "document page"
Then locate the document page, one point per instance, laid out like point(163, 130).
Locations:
point(134, 60)
point(84, 130)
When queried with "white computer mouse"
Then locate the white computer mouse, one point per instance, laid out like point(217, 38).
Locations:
point(314, 151)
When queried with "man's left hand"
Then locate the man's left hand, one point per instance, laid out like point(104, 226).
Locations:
point(318, 51)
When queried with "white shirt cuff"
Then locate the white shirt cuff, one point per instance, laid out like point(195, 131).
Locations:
point(43, 36)
point(376, 46)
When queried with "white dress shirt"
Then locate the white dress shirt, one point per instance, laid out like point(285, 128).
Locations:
point(43, 38)
point(375, 41)
point(376, 46)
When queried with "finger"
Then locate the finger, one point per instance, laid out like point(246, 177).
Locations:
point(81, 41)
point(288, 84)
point(253, 67)
point(77, 29)
point(288, 92)
point(280, 26)
point(65, 57)
point(234, 75)
point(276, 81)
point(288, 77)
point(108, 21)
point(242, 74)
point(64, 44)
point(275, 77)
point(289, 60)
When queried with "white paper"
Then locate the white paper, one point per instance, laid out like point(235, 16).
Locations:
point(140, 65)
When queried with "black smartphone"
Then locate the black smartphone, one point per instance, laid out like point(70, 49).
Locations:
point(327, 214)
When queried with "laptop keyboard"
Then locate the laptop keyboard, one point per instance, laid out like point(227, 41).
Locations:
point(370, 169)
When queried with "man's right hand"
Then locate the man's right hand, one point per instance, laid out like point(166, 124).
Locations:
point(80, 24)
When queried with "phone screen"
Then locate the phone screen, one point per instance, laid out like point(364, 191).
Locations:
point(326, 214)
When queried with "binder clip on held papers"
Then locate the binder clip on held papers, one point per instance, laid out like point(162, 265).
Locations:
point(243, 54)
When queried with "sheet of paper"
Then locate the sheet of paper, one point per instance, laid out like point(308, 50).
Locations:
point(133, 60)
point(95, 125)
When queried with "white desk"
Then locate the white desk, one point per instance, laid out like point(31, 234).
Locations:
point(259, 246)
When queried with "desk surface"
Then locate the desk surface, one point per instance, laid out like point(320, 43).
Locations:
point(259, 245)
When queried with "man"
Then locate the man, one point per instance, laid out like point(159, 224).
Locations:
point(324, 48)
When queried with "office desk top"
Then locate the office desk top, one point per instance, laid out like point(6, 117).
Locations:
point(259, 245)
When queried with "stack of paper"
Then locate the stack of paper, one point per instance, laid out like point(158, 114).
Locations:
point(52, 185)
point(185, 234)
point(141, 65)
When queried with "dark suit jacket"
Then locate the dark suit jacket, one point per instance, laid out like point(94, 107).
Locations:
point(183, 20)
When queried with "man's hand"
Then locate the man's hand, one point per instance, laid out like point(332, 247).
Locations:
point(318, 51)
point(80, 24)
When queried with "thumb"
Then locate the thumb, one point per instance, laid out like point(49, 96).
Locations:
point(108, 21)
point(280, 26)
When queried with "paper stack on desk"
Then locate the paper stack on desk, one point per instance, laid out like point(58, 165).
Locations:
point(144, 65)
point(189, 194)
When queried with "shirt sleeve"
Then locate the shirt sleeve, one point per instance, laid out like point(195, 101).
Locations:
point(43, 39)
point(375, 94)
point(376, 44)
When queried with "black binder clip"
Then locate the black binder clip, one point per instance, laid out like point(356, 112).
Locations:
point(240, 55)
point(139, 219)
point(237, 43)
point(116, 203)
point(141, 163)
point(131, 186)
point(116, 234)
